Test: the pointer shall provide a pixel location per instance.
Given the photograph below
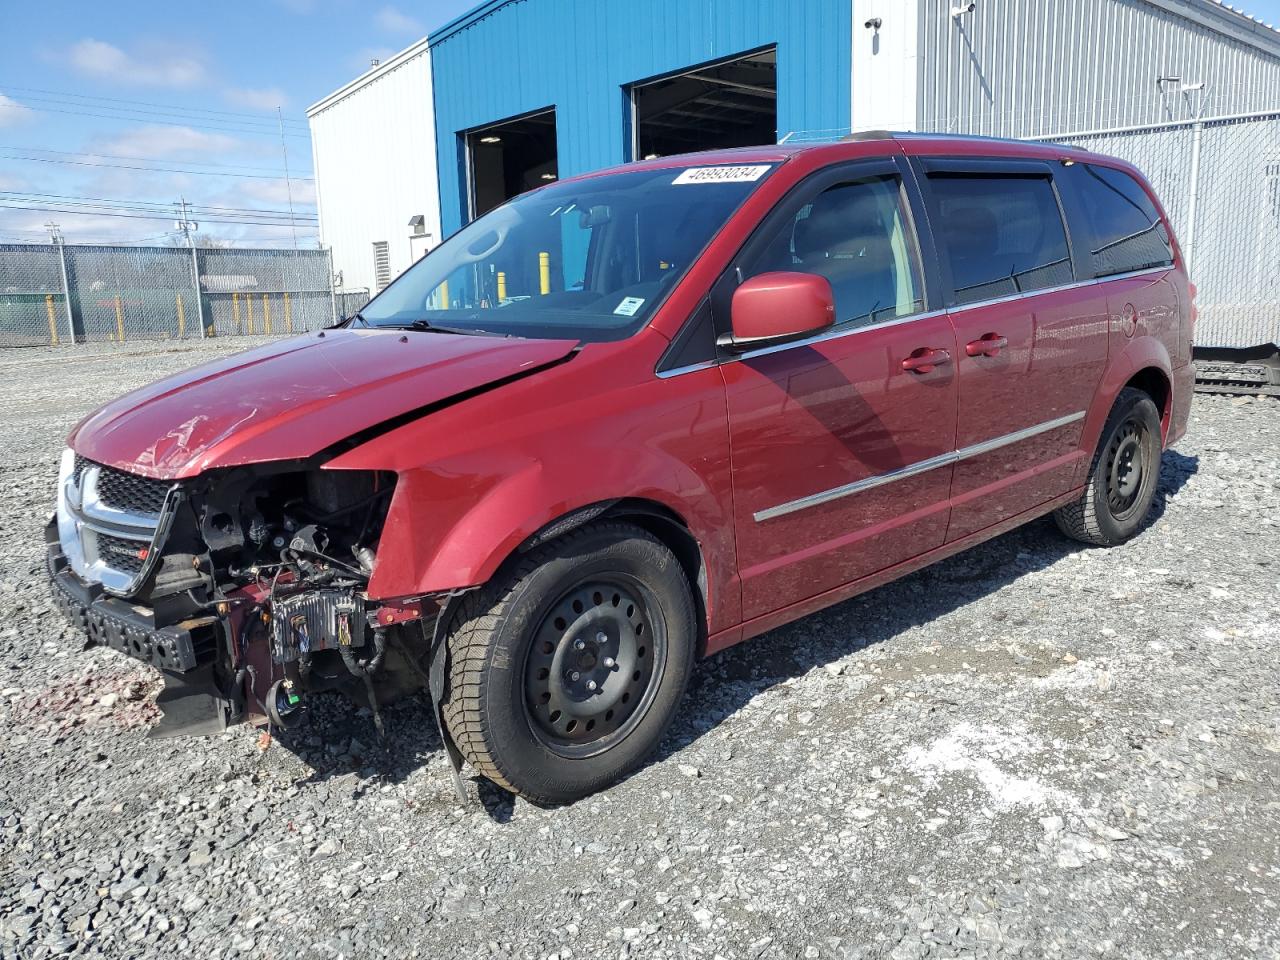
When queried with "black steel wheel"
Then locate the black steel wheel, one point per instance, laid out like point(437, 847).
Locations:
point(1127, 456)
point(592, 667)
point(565, 671)
point(1122, 477)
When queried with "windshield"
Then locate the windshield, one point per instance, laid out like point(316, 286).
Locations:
point(588, 260)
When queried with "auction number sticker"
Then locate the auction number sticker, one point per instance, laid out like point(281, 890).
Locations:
point(629, 306)
point(722, 174)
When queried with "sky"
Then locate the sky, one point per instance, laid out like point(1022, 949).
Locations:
point(112, 111)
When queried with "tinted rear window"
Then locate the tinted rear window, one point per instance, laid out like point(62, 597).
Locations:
point(1128, 234)
point(1003, 235)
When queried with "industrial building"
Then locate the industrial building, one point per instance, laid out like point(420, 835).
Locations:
point(374, 155)
point(521, 92)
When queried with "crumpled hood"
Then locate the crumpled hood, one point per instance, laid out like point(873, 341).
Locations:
point(294, 398)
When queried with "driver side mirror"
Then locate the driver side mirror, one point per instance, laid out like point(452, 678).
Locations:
point(778, 307)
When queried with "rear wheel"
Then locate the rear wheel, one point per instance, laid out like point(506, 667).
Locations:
point(1122, 478)
point(566, 670)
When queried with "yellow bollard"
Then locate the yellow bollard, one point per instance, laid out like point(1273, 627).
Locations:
point(248, 306)
point(544, 272)
point(502, 286)
point(119, 320)
point(288, 314)
point(182, 317)
point(235, 312)
point(444, 295)
point(266, 315)
point(53, 321)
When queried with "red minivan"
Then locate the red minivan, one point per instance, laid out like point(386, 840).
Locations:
point(630, 419)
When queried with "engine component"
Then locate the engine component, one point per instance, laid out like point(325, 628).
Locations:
point(325, 619)
point(285, 708)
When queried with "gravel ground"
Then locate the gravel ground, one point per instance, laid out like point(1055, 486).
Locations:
point(1030, 750)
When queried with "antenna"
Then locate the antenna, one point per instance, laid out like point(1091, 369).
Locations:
point(288, 184)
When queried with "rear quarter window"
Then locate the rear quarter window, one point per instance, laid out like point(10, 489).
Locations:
point(1128, 233)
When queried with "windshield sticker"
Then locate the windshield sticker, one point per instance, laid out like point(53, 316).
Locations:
point(721, 175)
point(629, 306)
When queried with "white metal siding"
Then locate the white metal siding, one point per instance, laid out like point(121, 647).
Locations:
point(375, 161)
point(1042, 67)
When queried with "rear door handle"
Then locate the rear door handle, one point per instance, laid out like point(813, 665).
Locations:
point(925, 359)
point(988, 345)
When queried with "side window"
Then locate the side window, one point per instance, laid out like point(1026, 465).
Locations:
point(858, 237)
point(1003, 235)
point(1128, 233)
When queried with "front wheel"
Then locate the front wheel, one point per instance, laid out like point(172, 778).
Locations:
point(1122, 478)
point(566, 671)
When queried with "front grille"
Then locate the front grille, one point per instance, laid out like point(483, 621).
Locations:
point(108, 524)
point(126, 491)
point(127, 556)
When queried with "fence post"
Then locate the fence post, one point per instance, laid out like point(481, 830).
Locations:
point(333, 298)
point(195, 279)
point(53, 322)
point(66, 292)
point(1193, 197)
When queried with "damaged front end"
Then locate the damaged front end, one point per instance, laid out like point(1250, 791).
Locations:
point(247, 587)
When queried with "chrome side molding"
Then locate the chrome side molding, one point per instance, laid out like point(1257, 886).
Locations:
point(917, 468)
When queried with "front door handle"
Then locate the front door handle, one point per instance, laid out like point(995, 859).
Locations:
point(988, 345)
point(925, 359)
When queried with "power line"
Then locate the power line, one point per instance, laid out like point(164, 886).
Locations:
point(124, 166)
point(157, 204)
point(115, 213)
point(117, 156)
point(174, 123)
point(177, 113)
point(148, 103)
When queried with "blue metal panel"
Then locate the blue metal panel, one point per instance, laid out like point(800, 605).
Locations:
point(509, 57)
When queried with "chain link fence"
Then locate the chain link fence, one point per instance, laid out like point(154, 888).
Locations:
point(349, 301)
point(33, 304)
point(54, 294)
point(1219, 180)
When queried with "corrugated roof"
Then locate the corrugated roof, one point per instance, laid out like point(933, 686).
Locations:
point(373, 73)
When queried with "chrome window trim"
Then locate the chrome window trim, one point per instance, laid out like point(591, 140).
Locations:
point(917, 468)
point(1076, 284)
point(839, 331)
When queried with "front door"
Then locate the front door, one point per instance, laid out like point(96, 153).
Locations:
point(842, 444)
point(1032, 343)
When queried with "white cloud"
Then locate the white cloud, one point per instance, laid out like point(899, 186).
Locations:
point(394, 21)
point(264, 99)
point(12, 112)
point(96, 58)
point(164, 141)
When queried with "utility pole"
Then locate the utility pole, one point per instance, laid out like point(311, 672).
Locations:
point(288, 184)
point(55, 237)
point(187, 227)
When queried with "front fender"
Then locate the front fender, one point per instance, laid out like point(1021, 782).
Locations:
point(470, 549)
point(478, 479)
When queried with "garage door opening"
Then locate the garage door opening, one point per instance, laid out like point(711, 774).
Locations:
point(733, 103)
point(508, 158)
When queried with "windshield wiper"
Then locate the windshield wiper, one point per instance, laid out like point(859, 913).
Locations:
point(431, 327)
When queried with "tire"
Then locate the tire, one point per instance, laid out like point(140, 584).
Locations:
point(607, 604)
point(1122, 477)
